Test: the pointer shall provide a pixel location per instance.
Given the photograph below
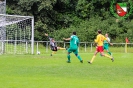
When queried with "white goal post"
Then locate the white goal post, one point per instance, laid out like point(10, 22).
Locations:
point(16, 34)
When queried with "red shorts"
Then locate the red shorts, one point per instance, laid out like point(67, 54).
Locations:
point(99, 48)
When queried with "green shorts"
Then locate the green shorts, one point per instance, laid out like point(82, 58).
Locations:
point(74, 50)
point(106, 48)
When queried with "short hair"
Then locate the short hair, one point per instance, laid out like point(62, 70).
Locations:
point(99, 31)
point(74, 33)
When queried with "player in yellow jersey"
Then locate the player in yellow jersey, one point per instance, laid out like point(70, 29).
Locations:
point(99, 41)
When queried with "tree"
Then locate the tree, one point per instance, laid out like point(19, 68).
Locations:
point(61, 17)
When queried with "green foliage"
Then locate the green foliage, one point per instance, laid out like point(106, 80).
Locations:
point(87, 30)
point(61, 17)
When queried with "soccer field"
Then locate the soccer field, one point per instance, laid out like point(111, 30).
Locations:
point(45, 71)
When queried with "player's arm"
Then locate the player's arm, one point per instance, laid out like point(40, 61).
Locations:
point(109, 43)
point(78, 42)
point(97, 39)
point(66, 39)
point(48, 36)
point(108, 40)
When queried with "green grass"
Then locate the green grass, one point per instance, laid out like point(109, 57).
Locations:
point(44, 71)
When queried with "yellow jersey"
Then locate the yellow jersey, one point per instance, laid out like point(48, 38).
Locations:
point(99, 39)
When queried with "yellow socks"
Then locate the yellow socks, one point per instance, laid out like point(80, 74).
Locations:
point(107, 56)
point(92, 59)
point(53, 52)
point(62, 48)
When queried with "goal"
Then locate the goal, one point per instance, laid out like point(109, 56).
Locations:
point(16, 34)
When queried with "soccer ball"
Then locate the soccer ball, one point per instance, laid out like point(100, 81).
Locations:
point(38, 52)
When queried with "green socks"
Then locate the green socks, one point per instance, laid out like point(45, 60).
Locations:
point(68, 56)
point(79, 57)
point(109, 53)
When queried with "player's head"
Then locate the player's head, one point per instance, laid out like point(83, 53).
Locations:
point(52, 40)
point(99, 31)
point(106, 35)
point(74, 33)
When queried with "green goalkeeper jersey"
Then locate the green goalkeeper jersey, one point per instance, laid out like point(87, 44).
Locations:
point(74, 42)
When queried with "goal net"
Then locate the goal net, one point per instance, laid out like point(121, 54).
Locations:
point(16, 34)
point(2, 6)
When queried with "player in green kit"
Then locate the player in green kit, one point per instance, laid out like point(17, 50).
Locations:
point(106, 44)
point(74, 42)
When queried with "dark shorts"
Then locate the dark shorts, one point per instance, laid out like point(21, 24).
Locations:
point(53, 48)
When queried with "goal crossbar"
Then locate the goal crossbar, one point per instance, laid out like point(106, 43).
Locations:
point(4, 19)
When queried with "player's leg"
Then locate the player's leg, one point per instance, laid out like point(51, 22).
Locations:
point(95, 53)
point(68, 55)
point(107, 56)
point(51, 50)
point(54, 50)
point(104, 48)
point(77, 55)
point(98, 49)
point(108, 51)
point(60, 48)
